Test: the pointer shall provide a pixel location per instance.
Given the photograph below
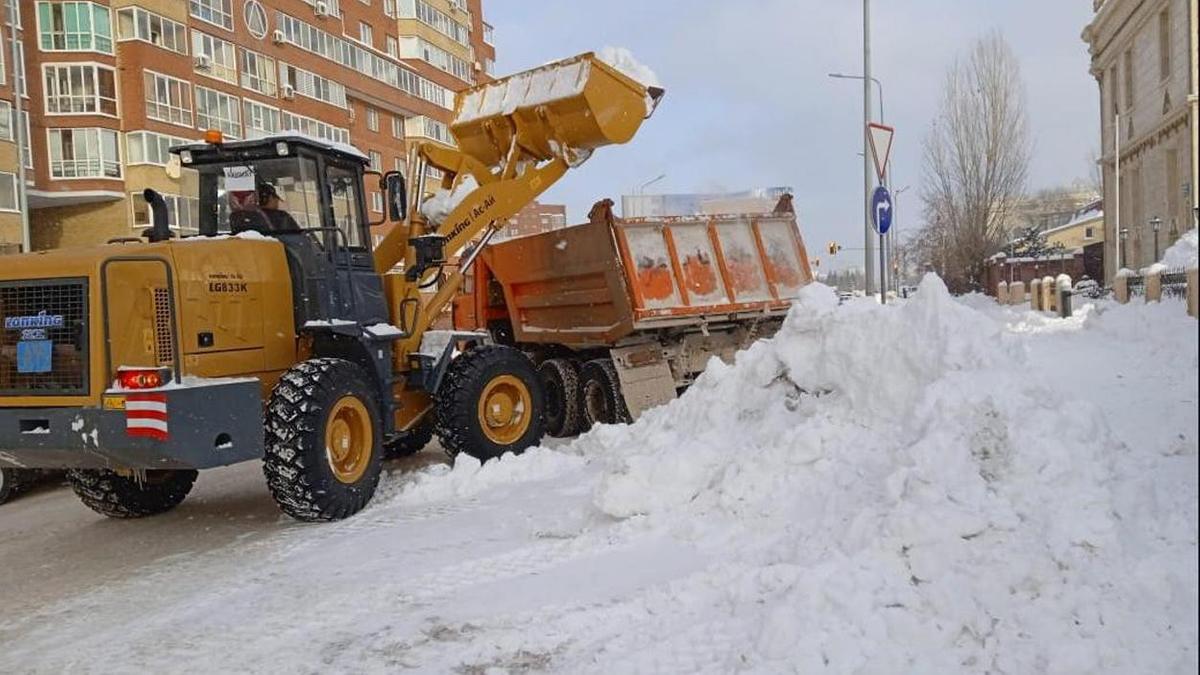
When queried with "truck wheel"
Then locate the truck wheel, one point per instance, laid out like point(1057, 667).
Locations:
point(490, 403)
point(410, 442)
point(111, 494)
point(601, 401)
point(8, 484)
point(324, 451)
point(560, 382)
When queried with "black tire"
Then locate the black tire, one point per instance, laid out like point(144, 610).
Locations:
point(458, 402)
point(410, 442)
point(111, 494)
point(8, 483)
point(600, 399)
point(299, 465)
point(560, 384)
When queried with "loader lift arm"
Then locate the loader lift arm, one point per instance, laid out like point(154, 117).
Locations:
point(516, 137)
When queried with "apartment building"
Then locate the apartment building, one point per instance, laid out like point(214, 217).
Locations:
point(1144, 58)
point(535, 218)
point(109, 85)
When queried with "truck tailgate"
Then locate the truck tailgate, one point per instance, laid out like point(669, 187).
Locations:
point(711, 265)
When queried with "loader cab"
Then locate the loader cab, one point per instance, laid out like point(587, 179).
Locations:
point(308, 194)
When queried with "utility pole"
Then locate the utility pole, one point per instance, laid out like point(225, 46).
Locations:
point(868, 186)
point(19, 133)
point(1117, 191)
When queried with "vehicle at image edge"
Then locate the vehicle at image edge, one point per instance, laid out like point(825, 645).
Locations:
point(15, 481)
point(621, 315)
point(135, 364)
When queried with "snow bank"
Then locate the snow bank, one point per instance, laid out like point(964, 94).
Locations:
point(1184, 252)
point(438, 207)
point(904, 485)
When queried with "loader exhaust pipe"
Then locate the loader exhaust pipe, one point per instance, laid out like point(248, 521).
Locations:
point(159, 229)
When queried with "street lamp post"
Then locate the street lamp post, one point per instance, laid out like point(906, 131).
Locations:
point(642, 188)
point(1155, 223)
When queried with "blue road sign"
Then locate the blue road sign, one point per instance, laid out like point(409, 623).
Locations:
point(881, 210)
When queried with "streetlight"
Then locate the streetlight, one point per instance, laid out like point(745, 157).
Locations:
point(843, 76)
point(1155, 223)
point(642, 188)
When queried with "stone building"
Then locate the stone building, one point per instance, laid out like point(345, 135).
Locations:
point(1144, 58)
point(110, 85)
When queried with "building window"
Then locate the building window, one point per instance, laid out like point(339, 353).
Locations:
point(74, 27)
point(256, 18)
point(135, 23)
point(1128, 80)
point(168, 99)
point(489, 34)
point(312, 85)
point(214, 57)
point(365, 34)
point(418, 48)
point(12, 10)
point(183, 213)
point(392, 46)
point(377, 202)
point(376, 160)
point(216, 110)
point(148, 147)
point(435, 19)
point(7, 122)
point(389, 8)
point(1164, 44)
point(216, 12)
point(313, 127)
point(258, 72)
point(261, 120)
point(80, 89)
point(397, 126)
point(372, 119)
point(8, 191)
point(84, 153)
point(1087, 233)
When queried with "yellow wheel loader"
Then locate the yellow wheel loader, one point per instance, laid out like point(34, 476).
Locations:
point(280, 332)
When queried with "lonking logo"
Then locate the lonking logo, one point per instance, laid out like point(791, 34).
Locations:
point(39, 320)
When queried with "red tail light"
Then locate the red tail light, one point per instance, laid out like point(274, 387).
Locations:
point(142, 378)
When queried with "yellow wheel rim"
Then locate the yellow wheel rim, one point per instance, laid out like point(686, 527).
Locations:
point(505, 409)
point(349, 439)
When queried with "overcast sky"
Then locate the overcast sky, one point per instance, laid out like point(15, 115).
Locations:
point(749, 104)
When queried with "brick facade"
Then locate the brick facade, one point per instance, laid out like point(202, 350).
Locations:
point(374, 73)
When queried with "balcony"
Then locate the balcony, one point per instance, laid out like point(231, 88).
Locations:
point(427, 129)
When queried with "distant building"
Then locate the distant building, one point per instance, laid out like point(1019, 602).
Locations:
point(761, 200)
point(1085, 228)
point(1144, 58)
point(1052, 208)
point(535, 218)
point(1080, 252)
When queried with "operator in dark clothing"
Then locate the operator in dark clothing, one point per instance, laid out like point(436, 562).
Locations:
point(278, 220)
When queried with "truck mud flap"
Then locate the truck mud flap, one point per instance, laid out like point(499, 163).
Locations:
point(645, 376)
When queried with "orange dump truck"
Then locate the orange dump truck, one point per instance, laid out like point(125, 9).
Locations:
point(623, 314)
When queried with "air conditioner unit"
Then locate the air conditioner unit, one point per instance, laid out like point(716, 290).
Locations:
point(203, 62)
point(289, 91)
point(353, 115)
point(279, 37)
point(478, 66)
point(321, 8)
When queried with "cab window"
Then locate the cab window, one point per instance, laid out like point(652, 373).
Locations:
point(344, 197)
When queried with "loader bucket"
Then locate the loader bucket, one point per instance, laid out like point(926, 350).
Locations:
point(569, 107)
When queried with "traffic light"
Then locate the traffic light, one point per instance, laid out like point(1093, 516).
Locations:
point(834, 248)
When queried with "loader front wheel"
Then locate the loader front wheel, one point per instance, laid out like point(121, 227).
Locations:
point(324, 449)
point(601, 400)
point(560, 382)
point(116, 496)
point(490, 403)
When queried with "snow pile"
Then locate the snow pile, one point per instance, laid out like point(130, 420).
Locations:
point(1184, 252)
point(902, 485)
point(437, 207)
point(533, 87)
point(624, 62)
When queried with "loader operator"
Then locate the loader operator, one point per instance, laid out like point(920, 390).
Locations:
point(278, 220)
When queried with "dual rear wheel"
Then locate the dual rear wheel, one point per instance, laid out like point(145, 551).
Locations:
point(580, 395)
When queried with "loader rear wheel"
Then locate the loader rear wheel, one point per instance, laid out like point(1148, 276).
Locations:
point(490, 403)
point(412, 441)
point(111, 494)
point(324, 449)
point(601, 401)
point(560, 381)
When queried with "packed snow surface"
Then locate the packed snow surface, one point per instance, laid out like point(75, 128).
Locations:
point(1185, 252)
point(937, 485)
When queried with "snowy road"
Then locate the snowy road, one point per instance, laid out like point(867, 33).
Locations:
point(1013, 493)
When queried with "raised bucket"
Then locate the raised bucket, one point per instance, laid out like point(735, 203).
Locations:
point(576, 104)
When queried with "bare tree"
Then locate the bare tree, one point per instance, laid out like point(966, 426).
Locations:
point(975, 162)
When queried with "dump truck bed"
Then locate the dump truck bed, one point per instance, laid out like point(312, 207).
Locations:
point(596, 283)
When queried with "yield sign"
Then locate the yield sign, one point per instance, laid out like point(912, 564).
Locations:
point(881, 146)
